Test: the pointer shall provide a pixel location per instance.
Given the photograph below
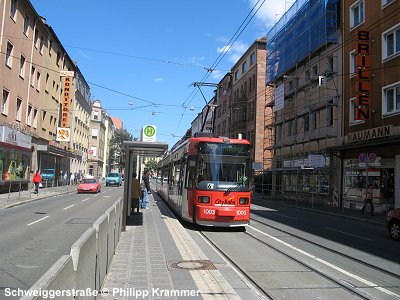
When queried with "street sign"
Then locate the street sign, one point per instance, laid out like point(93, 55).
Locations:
point(257, 166)
point(149, 133)
point(67, 73)
point(371, 157)
point(362, 158)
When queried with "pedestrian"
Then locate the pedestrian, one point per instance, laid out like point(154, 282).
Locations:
point(369, 197)
point(135, 192)
point(65, 178)
point(72, 179)
point(37, 179)
point(145, 189)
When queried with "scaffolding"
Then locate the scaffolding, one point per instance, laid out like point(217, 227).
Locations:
point(304, 28)
point(302, 62)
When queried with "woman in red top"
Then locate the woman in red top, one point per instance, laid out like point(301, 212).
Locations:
point(37, 179)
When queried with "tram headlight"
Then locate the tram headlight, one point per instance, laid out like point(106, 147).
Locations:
point(243, 200)
point(204, 199)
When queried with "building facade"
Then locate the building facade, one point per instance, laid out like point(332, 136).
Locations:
point(371, 97)
point(303, 63)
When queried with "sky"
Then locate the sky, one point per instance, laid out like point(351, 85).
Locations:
point(141, 57)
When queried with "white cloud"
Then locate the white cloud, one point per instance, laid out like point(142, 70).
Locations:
point(158, 79)
point(271, 10)
point(234, 52)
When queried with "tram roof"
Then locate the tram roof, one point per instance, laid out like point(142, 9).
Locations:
point(148, 149)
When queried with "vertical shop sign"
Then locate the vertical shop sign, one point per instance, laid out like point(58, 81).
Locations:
point(363, 76)
point(65, 104)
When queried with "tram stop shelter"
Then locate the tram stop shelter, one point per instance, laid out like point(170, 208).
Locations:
point(135, 152)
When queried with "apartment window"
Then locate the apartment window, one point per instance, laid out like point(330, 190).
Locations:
point(307, 75)
point(18, 112)
point(236, 75)
point(387, 2)
point(13, 9)
point(391, 99)
point(4, 102)
point(314, 70)
point(357, 13)
point(290, 128)
point(38, 76)
point(36, 38)
point(58, 58)
point(26, 24)
point(306, 123)
point(252, 58)
point(353, 112)
point(291, 85)
point(330, 62)
point(22, 66)
point(95, 133)
point(41, 44)
point(391, 42)
point(9, 53)
point(314, 121)
point(33, 76)
point(244, 67)
point(28, 117)
point(352, 64)
point(35, 113)
point(95, 115)
point(50, 47)
point(47, 83)
point(278, 133)
point(329, 116)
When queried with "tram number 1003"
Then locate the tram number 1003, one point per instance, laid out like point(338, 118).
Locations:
point(240, 212)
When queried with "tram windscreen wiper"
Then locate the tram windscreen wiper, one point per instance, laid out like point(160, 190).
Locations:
point(232, 188)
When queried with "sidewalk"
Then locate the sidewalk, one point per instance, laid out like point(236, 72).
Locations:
point(156, 258)
point(17, 198)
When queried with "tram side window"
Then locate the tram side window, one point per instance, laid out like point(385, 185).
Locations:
point(190, 172)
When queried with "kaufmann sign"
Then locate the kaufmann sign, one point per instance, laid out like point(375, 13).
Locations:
point(148, 133)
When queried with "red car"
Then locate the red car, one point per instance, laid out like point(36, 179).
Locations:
point(393, 223)
point(89, 186)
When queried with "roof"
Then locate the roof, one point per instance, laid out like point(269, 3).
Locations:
point(154, 149)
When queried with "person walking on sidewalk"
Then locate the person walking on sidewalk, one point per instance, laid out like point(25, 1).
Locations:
point(368, 199)
point(135, 192)
point(37, 179)
point(145, 189)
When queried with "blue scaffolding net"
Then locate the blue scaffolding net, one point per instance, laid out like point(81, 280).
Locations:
point(304, 28)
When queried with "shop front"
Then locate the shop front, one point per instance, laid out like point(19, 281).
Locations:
point(371, 159)
point(15, 159)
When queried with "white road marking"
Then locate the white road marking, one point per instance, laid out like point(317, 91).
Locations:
point(284, 216)
point(357, 236)
point(65, 208)
point(356, 277)
point(85, 199)
point(27, 267)
point(37, 221)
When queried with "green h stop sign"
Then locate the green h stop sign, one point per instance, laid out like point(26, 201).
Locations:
point(149, 133)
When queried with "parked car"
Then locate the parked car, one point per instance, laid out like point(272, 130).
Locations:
point(113, 178)
point(89, 185)
point(393, 223)
point(48, 174)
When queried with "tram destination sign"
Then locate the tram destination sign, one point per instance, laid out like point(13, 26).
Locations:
point(224, 149)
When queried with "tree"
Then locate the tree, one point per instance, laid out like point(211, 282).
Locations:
point(117, 150)
point(151, 165)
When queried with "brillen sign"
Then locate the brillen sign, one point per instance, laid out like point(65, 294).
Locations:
point(363, 76)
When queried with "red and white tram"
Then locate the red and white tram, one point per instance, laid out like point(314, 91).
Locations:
point(205, 180)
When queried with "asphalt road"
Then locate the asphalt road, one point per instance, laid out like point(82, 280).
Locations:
point(33, 236)
point(285, 248)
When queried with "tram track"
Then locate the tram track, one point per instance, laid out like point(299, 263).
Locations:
point(238, 268)
point(356, 260)
point(346, 286)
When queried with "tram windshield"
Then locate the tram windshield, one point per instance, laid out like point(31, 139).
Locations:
point(223, 166)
